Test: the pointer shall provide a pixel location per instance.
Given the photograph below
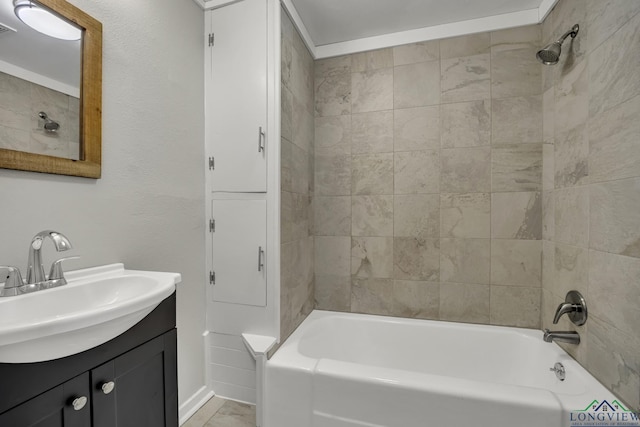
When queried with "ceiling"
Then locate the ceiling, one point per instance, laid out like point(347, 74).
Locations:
point(42, 55)
point(335, 21)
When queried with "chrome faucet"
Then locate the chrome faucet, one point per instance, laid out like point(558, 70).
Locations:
point(35, 269)
point(575, 307)
point(570, 337)
point(36, 279)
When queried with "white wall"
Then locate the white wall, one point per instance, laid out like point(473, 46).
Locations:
point(148, 209)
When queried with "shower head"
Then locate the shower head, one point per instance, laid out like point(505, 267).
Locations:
point(550, 54)
point(49, 125)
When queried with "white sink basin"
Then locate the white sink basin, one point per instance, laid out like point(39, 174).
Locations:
point(96, 305)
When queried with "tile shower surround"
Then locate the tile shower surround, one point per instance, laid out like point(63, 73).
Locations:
point(461, 180)
point(20, 127)
point(297, 158)
point(428, 180)
point(591, 185)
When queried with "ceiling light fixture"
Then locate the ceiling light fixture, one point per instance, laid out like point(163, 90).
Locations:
point(44, 21)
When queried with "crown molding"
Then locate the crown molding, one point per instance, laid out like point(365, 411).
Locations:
point(545, 7)
point(435, 32)
point(214, 4)
point(297, 21)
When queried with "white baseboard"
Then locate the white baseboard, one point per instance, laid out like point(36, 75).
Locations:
point(195, 402)
point(235, 392)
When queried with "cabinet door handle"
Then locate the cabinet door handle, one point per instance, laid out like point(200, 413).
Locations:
point(261, 136)
point(107, 387)
point(79, 402)
point(260, 263)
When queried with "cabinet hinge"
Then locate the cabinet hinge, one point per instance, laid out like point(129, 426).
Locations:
point(212, 163)
point(212, 277)
point(212, 226)
point(211, 39)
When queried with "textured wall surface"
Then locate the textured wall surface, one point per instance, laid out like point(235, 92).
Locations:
point(428, 179)
point(296, 258)
point(20, 126)
point(591, 185)
point(148, 209)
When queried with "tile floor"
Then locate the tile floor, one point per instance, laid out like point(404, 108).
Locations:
point(218, 412)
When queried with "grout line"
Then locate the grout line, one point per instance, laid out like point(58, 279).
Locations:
point(491, 174)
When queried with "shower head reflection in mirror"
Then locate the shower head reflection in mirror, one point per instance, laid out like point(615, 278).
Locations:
point(50, 126)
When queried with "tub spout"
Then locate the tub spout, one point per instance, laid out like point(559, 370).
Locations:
point(570, 337)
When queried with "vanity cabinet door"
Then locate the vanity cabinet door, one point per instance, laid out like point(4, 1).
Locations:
point(139, 388)
point(236, 99)
point(54, 408)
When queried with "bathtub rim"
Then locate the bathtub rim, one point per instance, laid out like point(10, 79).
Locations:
point(287, 356)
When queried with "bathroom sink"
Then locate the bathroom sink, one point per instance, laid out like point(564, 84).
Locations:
point(96, 305)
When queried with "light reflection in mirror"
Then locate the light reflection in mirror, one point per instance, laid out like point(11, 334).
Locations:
point(45, 21)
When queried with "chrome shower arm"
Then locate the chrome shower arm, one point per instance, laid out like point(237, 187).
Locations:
point(573, 32)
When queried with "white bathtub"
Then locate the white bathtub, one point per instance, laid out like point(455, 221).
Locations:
point(339, 370)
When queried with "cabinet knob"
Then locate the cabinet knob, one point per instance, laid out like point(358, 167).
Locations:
point(79, 402)
point(107, 387)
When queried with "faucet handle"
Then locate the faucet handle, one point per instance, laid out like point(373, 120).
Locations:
point(575, 307)
point(12, 283)
point(564, 308)
point(56, 272)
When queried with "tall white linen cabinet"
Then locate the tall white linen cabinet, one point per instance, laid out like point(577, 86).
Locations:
point(242, 153)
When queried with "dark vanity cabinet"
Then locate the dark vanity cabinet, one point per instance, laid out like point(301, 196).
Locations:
point(144, 387)
point(130, 381)
point(53, 408)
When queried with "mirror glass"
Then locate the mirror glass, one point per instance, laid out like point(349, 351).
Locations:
point(40, 85)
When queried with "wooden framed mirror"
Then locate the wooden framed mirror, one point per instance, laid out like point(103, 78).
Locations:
point(87, 160)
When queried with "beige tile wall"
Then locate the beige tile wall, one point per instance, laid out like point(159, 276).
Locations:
point(591, 185)
point(20, 127)
point(460, 180)
point(428, 180)
point(297, 181)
